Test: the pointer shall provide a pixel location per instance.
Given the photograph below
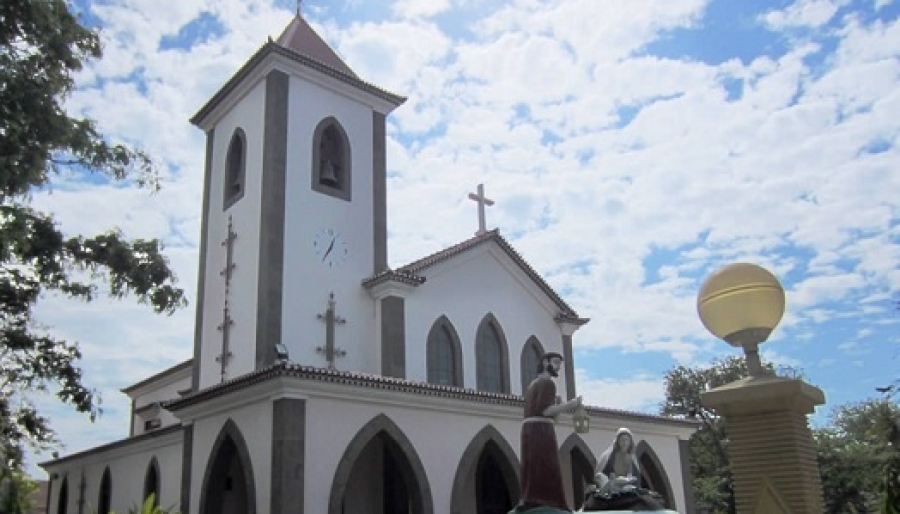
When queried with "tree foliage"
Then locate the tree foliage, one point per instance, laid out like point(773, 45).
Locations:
point(709, 446)
point(854, 454)
point(42, 45)
point(853, 447)
point(16, 490)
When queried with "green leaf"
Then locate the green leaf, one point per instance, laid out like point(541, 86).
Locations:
point(43, 45)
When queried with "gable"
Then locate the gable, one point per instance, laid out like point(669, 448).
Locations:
point(491, 245)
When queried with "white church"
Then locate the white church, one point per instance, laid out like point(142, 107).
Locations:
point(323, 381)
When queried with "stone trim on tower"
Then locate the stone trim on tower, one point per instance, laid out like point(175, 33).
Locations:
point(271, 220)
point(393, 337)
point(288, 455)
point(687, 477)
point(201, 275)
point(379, 193)
point(569, 364)
point(187, 455)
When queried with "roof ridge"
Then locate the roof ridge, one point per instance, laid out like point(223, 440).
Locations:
point(567, 314)
point(299, 37)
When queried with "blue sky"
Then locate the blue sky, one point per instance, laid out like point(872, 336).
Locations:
point(631, 149)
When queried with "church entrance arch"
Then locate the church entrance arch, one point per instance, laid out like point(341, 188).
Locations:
point(380, 472)
point(487, 478)
point(62, 504)
point(228, 484)
point(653, 475)
point(576, 457)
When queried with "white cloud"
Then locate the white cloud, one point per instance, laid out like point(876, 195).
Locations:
point(640, 394)
point(793, 165)
point(418, 8)
point(806, 13)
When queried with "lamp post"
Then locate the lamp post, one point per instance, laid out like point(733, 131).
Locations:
point(772, 453)
point(741, 304)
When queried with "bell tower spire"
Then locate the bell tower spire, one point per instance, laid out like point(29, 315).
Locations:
point(296, 164)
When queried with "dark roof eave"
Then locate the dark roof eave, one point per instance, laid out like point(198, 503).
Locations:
point(410, 279)
point(162, 374)
point(575, 320)
point(288, 369)
point(271, 47)
point(115, 444)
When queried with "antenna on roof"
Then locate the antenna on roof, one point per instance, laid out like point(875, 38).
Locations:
point(299, 2)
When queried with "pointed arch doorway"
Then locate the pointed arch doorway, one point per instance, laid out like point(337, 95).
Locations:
point(228, 482)
point(653, 474)
point(487, 477)
point(492, 492)
point(380, 472)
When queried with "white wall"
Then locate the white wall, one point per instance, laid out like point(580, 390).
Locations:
point(158, 392)
point(248, 115)
point(441, 432)
point(465, 289)
point(307, 280)
point(128, 466)
point(254, 420)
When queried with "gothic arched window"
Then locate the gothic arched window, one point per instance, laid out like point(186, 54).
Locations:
point(104, 499)
point(331, 164)
point(62, 503)
point(235, 169)
point(151, 481)
point(444, 354)
point(531, 360)
point(492, 362)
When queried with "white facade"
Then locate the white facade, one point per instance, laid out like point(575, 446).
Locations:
point(244, 215)
point(467, 288)
point(309, 415)
point(147, 397)
point(308, 279)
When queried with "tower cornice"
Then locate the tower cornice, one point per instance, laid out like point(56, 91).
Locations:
point(273, 56)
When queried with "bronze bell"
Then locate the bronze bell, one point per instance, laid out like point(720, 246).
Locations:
point(328, 174)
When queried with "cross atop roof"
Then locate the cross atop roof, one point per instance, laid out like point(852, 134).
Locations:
point(481, 200)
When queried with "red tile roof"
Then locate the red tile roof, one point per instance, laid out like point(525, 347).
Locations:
point(300, 38)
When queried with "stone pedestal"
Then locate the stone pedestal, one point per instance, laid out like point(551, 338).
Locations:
point(772, 452)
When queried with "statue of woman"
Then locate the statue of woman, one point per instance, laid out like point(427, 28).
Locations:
point(618, 480)
point(618, 468)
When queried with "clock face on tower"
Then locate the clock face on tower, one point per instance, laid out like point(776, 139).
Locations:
point(331, 248)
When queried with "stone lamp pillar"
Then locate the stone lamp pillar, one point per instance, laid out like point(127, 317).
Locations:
point(771, 449)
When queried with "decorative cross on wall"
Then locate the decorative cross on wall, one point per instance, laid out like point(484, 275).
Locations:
point(227, 321)
point(482, 201)
point(331, 319)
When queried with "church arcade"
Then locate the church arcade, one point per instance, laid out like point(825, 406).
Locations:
point(322, 379)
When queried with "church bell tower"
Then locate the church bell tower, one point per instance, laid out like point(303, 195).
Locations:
point(294, 212)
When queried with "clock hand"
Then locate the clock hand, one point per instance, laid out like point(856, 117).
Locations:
point(328, 251)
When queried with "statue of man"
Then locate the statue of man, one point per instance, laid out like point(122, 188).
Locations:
point(542, 484)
